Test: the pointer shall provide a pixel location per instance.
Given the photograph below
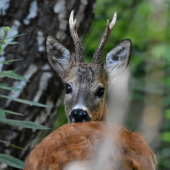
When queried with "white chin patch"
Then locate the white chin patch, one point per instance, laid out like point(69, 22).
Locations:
point(79, 106)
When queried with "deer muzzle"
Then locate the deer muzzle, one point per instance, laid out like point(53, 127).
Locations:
point(79, 115)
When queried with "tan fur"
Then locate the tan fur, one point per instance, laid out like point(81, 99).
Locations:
point(105, 113)
point(80, 141)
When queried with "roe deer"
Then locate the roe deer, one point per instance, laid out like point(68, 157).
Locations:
point(86, 86)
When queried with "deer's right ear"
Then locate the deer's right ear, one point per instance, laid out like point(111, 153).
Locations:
point(58, 56)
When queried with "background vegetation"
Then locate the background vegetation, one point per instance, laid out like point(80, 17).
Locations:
point(4, 158)
point(147, 24)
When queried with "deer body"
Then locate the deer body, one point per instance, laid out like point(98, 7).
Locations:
point(81, 141)
point(86, 86)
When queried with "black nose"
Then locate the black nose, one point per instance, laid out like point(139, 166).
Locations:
point(79, 115)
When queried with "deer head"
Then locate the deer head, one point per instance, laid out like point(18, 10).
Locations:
point(86, 84)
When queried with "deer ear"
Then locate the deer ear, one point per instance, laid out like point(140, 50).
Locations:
point(58, 56)
point(117, 59)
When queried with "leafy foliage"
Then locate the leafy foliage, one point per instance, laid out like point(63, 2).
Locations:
point(11, 74)
point(11, 144)
point(24, 101)
point(6, 87)
point(9, 61)
point(26, 124)
point(9, 160)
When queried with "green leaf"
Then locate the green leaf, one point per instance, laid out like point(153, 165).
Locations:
point(11, 43)
point(5, 86)
point(161, 50)
point(11, 161)
point(165, 153)
point(17, 35)
point(11, 74)
point(4, 42)
point(165, 163)
point(8, 61)
point(25, 101)
point(25, 124)
point(165, 136)
point(14, 113)
point(0, 49)
point(11, 144)
point(2, 114)
point(167, 114)
point(7, 29)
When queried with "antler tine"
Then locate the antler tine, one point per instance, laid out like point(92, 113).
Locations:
point(105, 36)
point(73, 31)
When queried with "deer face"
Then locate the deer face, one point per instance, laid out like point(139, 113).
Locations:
point(86, 84)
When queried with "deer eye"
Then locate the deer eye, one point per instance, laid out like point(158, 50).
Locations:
point(68, 89)
point(100, 92)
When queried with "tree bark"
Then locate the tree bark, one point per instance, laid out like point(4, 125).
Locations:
point(37, 18)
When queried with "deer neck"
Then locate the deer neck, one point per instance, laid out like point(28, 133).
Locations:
point(104, 114)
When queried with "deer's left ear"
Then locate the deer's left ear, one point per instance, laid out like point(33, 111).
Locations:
point(117, 59)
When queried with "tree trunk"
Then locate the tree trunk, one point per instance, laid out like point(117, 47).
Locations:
point(37, 18)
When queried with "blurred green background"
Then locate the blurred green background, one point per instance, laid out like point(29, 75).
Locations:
point(147, 24)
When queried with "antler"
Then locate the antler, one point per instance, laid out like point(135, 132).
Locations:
point(98, 51)
point(73, 30)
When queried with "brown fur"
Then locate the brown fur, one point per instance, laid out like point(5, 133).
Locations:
point(80, 141)
point(105, 113)
point(85, 79)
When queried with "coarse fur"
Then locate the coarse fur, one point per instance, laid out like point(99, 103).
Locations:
point(85, 80)
point(81, 141)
